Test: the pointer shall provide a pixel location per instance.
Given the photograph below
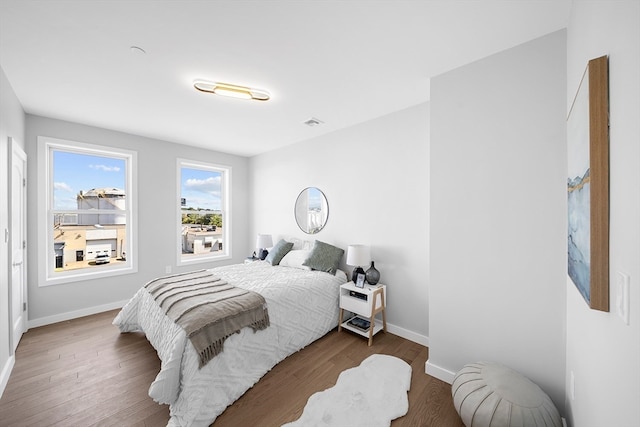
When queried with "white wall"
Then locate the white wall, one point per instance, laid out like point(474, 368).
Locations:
point(156, 217)
point(11, 125)
point(375, 177)
point(498, 214)
point(602, 352)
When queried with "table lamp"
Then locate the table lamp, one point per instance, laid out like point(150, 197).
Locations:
point(358, 256)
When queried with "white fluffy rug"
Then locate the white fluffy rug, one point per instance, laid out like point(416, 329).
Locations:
point(368, 395)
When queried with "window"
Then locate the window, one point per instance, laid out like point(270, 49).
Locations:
point(204, 228)
point(88, 211)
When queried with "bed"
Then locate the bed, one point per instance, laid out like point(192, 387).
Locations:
point(302, 307)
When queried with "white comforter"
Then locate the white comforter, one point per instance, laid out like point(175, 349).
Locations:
point(303, 306)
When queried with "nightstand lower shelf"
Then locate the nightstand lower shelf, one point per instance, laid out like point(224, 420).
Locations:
point(377, 326)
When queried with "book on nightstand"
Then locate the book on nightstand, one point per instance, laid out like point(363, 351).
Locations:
point(360, 323)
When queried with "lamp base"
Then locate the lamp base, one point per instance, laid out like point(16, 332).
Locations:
point(354, 275)
point(263, 254)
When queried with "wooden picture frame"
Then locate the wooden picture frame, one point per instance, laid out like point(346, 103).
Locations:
point(588, 186)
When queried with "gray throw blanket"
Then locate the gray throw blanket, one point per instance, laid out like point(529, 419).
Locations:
point(208, 309)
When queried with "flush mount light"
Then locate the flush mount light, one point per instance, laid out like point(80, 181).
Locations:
point(233, 91)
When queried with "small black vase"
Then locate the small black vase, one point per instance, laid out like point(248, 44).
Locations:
point(372, 275)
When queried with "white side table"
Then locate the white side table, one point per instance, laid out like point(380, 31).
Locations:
point(364, 303)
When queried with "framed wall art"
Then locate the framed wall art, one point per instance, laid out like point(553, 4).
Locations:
point(588, 186)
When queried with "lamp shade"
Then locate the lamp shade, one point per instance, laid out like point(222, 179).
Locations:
point(358, 255)
point(264, 241)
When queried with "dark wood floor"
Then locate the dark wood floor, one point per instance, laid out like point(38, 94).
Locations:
point(83, 372)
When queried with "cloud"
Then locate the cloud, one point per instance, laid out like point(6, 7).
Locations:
point(210, 185)
point(203, 193)
point(105, 168)
point(62, 186)
point(203, 203)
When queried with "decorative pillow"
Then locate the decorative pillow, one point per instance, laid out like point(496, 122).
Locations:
point(278, 251)
point(324, 257)
point(295, 258)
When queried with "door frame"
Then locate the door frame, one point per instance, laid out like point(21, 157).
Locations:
point(16, 150)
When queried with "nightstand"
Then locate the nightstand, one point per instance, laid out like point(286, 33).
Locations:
point(250, 259)
point(364, 303)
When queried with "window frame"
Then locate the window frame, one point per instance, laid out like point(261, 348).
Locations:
point(225, 186)
point(46, 212)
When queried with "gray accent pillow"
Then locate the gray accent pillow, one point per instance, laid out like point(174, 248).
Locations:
point(278, 251)
point(324, 257)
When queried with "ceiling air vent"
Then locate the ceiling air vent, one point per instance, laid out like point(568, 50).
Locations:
point(313, 122)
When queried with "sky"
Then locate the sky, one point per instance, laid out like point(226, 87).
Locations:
point(314, 198)
point(201, 188)
point(73, 172)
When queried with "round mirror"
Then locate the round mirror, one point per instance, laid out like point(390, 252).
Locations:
point(311, 210)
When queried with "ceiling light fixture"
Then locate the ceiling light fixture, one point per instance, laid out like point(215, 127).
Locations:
point(231, 90)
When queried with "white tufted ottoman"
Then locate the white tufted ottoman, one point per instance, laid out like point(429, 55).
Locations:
point(492, 395)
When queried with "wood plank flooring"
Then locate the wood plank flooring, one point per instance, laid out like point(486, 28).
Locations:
point(83, 372)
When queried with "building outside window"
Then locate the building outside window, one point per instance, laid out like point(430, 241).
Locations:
point(89, 211)
point(203, 212)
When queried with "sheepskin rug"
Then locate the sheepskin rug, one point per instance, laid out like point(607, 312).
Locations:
point(369, 395)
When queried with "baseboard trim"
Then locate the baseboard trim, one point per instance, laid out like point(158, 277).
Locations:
point(43, 321)
point(48, 320)
point(439, 372)
point(408, 335)
point(62, 317)
point(6, 373)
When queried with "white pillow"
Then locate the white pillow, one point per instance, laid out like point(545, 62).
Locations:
point(298, 244)
point(295, 258)
point(342, 274)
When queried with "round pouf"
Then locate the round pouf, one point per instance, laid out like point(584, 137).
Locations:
point(492, 395)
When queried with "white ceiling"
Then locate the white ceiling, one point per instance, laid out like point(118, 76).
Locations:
point(343, 62)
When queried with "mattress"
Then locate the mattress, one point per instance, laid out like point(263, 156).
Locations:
point(302, 304)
